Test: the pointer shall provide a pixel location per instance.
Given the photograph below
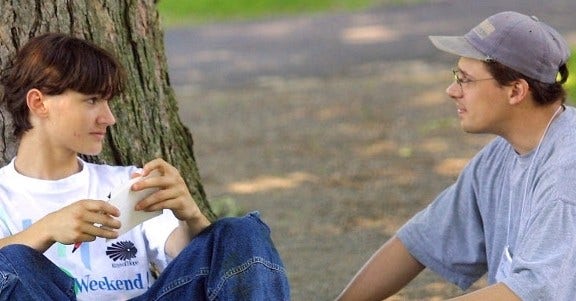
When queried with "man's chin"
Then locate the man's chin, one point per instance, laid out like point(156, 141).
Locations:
point(471, 130)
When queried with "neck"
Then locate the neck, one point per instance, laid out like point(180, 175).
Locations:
point(37, 160)
point(528, 131)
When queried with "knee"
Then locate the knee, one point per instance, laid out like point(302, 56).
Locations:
point(21, 257)
point(14, 257)
point(248, 233)
point(245, 227)
point(12, 251)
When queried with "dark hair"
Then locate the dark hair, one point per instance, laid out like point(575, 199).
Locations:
point(54, 63)
point(543, 93)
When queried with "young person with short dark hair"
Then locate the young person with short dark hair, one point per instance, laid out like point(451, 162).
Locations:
point(58, 91)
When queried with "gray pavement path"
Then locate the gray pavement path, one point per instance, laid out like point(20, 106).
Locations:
point(245, 53)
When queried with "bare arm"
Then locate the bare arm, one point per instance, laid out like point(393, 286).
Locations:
point(497, 291)
point(392, 267)
point(174, 195)
point(77, 222)
point(389, 270)
point(183, 234)
point(36, 237)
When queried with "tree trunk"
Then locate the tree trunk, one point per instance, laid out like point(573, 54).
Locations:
point(148, 125)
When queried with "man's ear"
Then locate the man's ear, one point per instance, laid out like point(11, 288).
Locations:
point(35, 102)
point(519, 91)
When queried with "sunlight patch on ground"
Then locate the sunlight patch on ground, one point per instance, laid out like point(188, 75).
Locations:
point(267, 183)
point(377, 148)
point(368, 34)
point(327, 229)
point(451, 166)
point(332, 112)
point(387, 225)
point(431, 98)
point(434, 145)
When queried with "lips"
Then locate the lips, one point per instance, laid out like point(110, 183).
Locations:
point(100, 135)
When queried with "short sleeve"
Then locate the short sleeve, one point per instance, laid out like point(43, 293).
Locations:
point(4, 220)
point(447, 236)
point(156, 231)
point(544, 266)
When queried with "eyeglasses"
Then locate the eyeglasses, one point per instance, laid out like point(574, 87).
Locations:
point(461, 79)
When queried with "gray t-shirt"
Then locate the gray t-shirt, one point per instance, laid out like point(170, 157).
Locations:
point(503, 199)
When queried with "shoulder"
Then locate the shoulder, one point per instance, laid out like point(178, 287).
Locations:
point(105, 169)
point(497, 148)
point(7, 170)
point(491, 157)
point(111, 174)
point(563, 130)
point(556, 162)
point(558, 149)
point(4, 179)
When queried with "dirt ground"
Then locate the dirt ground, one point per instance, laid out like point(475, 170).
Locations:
point(335, 158)
point(335, 165)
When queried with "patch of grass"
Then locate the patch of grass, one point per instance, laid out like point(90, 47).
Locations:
point(178, 12)
point(571, 83)
point(226, 207)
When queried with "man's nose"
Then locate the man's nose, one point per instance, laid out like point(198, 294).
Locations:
point(454, 90)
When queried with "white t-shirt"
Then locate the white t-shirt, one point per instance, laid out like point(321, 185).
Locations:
point(103, 270)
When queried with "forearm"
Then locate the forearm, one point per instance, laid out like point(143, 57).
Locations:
point(33, 237)
point(183, 234)
point(389, 270)
point(497, 291)
point(196, 225)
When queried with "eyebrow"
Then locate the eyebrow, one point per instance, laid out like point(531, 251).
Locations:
point(462, 71)
point(466, 74)
point(89, 96)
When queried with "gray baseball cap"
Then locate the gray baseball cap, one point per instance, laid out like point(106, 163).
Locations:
point(517, 41)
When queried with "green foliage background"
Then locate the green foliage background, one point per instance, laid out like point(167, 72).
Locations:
point(571, 84)
point(185, 12)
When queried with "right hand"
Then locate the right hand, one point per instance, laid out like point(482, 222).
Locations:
point(81, 221)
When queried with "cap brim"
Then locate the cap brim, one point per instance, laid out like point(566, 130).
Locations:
point(457, 45)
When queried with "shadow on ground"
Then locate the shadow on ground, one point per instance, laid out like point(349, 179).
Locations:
point(334, 164)
point(291, 119)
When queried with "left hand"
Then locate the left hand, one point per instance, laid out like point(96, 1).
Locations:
point(173, 193)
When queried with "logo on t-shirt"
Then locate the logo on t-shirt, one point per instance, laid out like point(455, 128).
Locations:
point(122, 250)
point(122, 254)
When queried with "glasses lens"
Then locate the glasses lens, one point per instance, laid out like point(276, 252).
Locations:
point(458, 79)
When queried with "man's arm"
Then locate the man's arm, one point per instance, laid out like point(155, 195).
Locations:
point(498, 291)
point(392, 267)
point(388, 271)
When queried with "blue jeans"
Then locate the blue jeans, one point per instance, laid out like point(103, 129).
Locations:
point(233, 259)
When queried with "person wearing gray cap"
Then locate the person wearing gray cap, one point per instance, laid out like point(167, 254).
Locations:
point(511, 214)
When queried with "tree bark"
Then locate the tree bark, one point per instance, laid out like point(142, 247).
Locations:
point(148, 125)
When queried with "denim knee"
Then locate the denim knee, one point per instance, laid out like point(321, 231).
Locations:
point(233, 259)
point(249, 260)
point(244, 226)
point(8, 283)
point(13, 256)
point(27, 274)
